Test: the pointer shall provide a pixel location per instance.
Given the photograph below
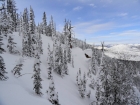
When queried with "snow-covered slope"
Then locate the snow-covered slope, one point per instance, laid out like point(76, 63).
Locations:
point(123, 51)
point(131, 52)
point(19, 91)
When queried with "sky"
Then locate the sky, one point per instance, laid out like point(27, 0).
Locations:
point(111, 21)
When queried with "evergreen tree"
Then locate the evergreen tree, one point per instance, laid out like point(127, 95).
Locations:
point(50, 63)
point(6, 23)
point(84, 82)
point(17, 69)
point(81, 88)
point(26, 40)
point(32, 22)
point(77, 77)
point(61, 70)
point(11, 45)
point(11, 9)
point(68, 34)
point(2, 64)
point(2, 69)
point(65, 63)
point(32, 37)
point(40, 44)
point(44, 24)
point(72, 62)
point(56, 54)
point(1, 49)
point(93, 62)
point(52, 95)
point(36, 76)
point(17, 23)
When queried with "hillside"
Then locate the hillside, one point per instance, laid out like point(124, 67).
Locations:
point(20, 90)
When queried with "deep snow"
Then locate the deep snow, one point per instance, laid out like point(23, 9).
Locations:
point(19, 91)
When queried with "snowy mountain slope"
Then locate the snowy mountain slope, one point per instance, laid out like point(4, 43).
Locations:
point(131, 51)
point(17, 91)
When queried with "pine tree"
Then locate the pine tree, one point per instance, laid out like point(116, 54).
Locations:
point(52, 95)
point(6, 23)
point(72, 62)
point(50, 63)
point(11, 9)
point(81, 88)
point(2, 64)
point(32, 22)
point(17, 69)
point(11, 45)
point(44, 24)
point(77, 77)
point(36, 76)
point(84, 82)
point(2, 69)
point(17, 23)
point(56, 54)
point(32, 37)
point(1, 49)
point(40, 44)
point(61, 70)
point(26, 40)
point(93, 62)
point(65, 63)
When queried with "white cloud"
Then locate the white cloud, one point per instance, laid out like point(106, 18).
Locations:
point(93, 26)
point(99, 27)
point(128, 36)
point(77, 8)
point(123, 14)
point(130, 33)
point(92, 5)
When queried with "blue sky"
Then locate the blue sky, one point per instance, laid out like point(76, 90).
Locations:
point(112, 21)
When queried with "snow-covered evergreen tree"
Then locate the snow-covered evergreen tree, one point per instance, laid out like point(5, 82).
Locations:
point(77, 77)
point(24, 28)
point(32, 38)
point(44, 24)
point(2, 64)
point(93, 62)
point(1, 43)
point(11, 9)
point(36, 76)
point(2, 69)
point(65, 63)
point(6, 23)
point(50, 62)
point(84, 82)
point(115, 86)
point(56, 54)
point(61, 70)
point(11, 45)
point(72, 62)
point(17, 69)
point(52, 95)
point(81, 88)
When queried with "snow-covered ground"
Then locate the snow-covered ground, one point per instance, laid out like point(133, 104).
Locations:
point(19, 91)
point(131, 51)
